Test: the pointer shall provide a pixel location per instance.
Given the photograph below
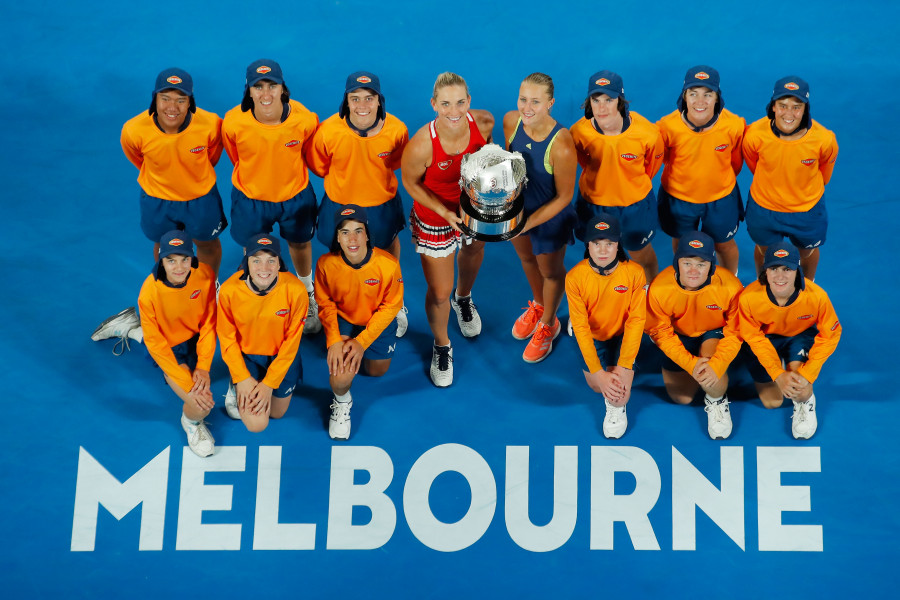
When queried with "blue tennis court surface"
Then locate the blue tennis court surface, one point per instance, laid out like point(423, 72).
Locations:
point(501, 485)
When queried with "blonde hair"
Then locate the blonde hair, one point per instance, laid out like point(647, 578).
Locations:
point(447, 79)
point(541, 79)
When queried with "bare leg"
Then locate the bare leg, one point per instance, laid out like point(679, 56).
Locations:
point(301, 256)
point(646, 258)
point(210, 252)
point(809, 260)
point(728, 255)
point(553, 273)
point(439, 274)
point(469, 258)
point(522, 245)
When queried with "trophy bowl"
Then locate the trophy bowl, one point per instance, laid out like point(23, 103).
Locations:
point(492, 208)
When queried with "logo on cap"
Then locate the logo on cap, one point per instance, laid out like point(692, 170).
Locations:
point(629, 157)
point(264, 241)
point(791, 86)
point(364, 79)
point(174, 79)
point(602, 81)
point(701, 75)
point(601, 225)
point(347, 211)
point(176, 242)
point(263, 70)
point(781, 253)
point(721, 148)
point(695, 244)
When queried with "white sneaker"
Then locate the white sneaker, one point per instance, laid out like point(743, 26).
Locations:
point(803, 421)
point(615, 422)
point(199, 438)
point(231, 403)
point(402, 322)
point(569, 328)
point(718, 417)
point(339, 425)
point(313, 324)
point(118, 326)
point(466, 315)
point(442, 365)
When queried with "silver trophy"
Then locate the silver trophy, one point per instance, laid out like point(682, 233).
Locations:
point(492, 208)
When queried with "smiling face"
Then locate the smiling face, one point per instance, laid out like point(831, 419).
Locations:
point(177, 268)
point(788, 114)
point(451, 104)
point(700, 103)
point(267, 104)
point(693, 272)
point(352, 238)
point(534, 103)
point(363, 104)
point(172, 107)
point(781, 280)
point(263, 267)
point(606, 112)
point(603, 251)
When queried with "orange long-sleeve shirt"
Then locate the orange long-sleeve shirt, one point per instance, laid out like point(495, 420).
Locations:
point(269, 325)
point(701, 167)
point(171, 316)
point(602, 307)
point(358, 170)
point(759, 316)
point(174, 166)
point(673, 310)
point(371, 295)
point(269, 160)
point(789, 176)
point(617, 169)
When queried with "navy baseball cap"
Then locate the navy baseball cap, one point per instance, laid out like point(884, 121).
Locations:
point(362, 80)
point(606, 82)
point(603, 226)
point(175, 242)
point(791, 86)
point(174, 78)
point(782, 255)
point(701, 76)
point(696, 244)
point(263, 68)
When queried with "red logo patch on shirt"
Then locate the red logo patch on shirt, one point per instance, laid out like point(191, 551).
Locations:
point(195, 294)
point(363, 79)
point(263, 70)
point(781, 253)
point(629, 157)
point(399, 280)
point(282, 313)
point(198, 149)
point(176, 242)
point(602, 81)
point(443, 166)
point(372, 281)
point(835, 326)
point(791, 86)
point(175, 79)
point(291, 143)
point(701, 75)
point(722, 148)
point(713, 307)
point(347, 211)
point(621, 288)
point(804, 317)
point(695, 244)
point(383, 154)
point(808, 161)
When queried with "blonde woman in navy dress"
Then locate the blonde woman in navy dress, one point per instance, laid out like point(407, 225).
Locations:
point(550, 160)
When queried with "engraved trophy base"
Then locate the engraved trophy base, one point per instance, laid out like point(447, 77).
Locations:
point(490, 228)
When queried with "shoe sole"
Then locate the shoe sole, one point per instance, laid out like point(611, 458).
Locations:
point(110, 320)
point(549, 350)
point(524, 337)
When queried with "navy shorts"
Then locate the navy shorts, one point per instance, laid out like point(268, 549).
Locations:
point(185, 353)
point(803, 229)
point(718, 219)
point(382, 347)
point(296, 217)
point(201, 218)
point(608, 351)
point(385, 221)
point(789, 348)
point(258, 365)
point(550, 236)
point(692, 345)
point(639, 221)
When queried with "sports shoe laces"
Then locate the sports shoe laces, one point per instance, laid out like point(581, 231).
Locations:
point(532, 313)
point(343, 410)
point(199, 432)
point(465, 307)
point(614, 412)
point(122, 345)
point(801, 411)
point(717, 410)
point(313, 305)
point(444, 358)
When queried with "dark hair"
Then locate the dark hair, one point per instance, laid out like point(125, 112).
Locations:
point(589, 114)
point(798, 278)
point(247, 101)
point(192, 106)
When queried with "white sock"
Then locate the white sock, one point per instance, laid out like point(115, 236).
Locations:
point(137, 334)
point(343, 398)
point(189, 421)
point(457, 296)
point(711, 400)
point(308, 282)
